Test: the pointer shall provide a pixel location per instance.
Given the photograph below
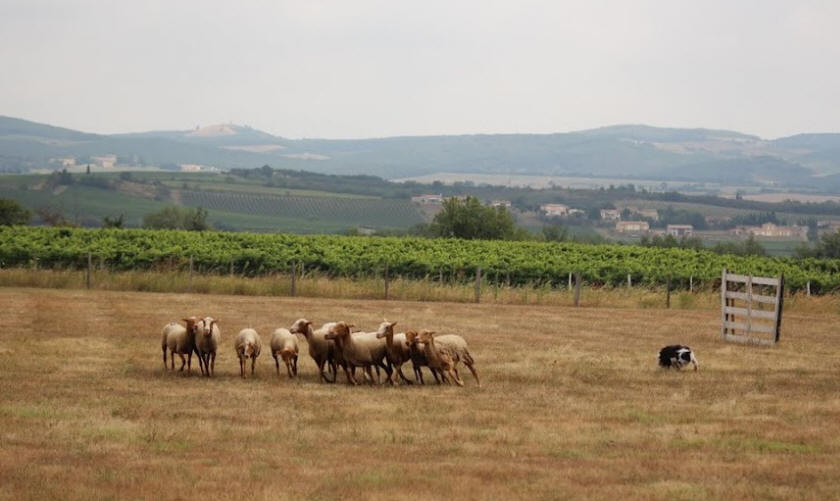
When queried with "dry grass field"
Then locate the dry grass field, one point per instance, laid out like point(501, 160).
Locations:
point(571, 406)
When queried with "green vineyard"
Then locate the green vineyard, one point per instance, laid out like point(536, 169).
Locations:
point(509, 262)
point(378, 213)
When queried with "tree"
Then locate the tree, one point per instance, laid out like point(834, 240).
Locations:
point(11, 212)
point(555, 233)
point(112, 222)
point(471, 220)
point(175, 218)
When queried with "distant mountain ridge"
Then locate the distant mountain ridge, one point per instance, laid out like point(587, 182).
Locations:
point(628, 151)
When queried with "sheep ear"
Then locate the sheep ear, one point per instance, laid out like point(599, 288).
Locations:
point(393, 324)
point(350, 325)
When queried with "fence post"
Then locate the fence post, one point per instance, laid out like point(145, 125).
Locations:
point(440, 275)
point(668, 292)
point(87, 275)
point(386, 281)
point(808, 288)
point(691, 283)
point(478, 284)
point(570, 281)
point(629, 281)
point(294, 278)
point(231, 267)
point(577, 289)
point(191, 274)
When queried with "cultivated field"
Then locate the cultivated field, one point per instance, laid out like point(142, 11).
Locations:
point(571, 406)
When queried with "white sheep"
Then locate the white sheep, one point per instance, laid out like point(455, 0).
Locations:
point(322, 351)
point(361, 349)
point(181, 340)
point(247, 345)
point(286, 344)
point(396, 349)
point(207, 338)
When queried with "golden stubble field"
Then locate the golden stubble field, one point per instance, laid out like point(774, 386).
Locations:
point(572, 405)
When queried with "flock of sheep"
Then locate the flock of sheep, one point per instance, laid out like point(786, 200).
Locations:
point(330, 346)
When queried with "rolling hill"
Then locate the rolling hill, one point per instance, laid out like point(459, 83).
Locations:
point(628, 151)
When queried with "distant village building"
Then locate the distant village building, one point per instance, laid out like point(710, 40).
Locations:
point(500, 203)
point(105, 161)
point(554, 209)
point(610, 214)
point(573, 212)
point(830, 227)
point(428, 199)
point(680, 230)
point(649, 214)
point(64, 162)
point(631, 226)
point(771, 230)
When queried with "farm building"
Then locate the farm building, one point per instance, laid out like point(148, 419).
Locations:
point(554, 209)
point(500, 203)
point(771, 230)
point(610, 214)
point(680, 230)
point(631, 226)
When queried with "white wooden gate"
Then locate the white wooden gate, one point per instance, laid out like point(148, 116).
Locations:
point(757, 315)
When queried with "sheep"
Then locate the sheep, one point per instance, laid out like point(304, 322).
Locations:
point(676, 356)
point(247, 345)
point(396, 349)
point(438, 359)
point(456, 347)
point(418, 356)
point(321, 350)
point(361, 349)
point(181, 340)
point(207, 339)
point(286, 344)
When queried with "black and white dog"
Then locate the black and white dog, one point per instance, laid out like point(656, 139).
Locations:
point(676, 356)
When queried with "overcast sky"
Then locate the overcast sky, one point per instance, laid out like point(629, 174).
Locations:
point(353, 68)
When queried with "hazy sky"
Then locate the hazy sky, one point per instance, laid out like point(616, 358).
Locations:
point(380, 68)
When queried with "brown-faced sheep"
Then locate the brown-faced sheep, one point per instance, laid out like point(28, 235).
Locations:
point(181, 340)
point(361, 349)
point(418, 356)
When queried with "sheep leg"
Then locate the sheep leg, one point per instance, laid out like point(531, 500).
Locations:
point(212, 357)
point(323, 377)
point(474, 373)
point(164, 358)
point(183, 362)
point(295, 368)
point(172, 360)
point(351, 379)
point(276, 363)
point(189, 363)
point(402, 376)
point(454, 373)
point(242, 367)
point(369, 373)
point(289, 367)
point(253, 361)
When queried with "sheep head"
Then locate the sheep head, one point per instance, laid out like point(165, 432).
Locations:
point(191, 324)
point(207, 325)
point(248, 350)
point(411, 337)
point(341, 330)
point(301, 326)
point(427, 336)
point(386, 329)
